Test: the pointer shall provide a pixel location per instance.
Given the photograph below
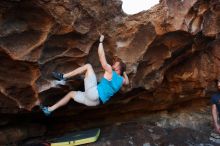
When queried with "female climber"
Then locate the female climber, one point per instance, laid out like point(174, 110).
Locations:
point(113, 79)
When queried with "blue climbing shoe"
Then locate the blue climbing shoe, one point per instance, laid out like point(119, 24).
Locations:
point(45, 110)
point(58, 76)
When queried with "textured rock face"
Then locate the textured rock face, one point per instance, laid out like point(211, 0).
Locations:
point(171, 51)
point(38, 37)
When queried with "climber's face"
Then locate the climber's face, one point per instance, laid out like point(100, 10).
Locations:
point(116, 67)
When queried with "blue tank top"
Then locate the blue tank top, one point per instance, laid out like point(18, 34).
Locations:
point(107, 88)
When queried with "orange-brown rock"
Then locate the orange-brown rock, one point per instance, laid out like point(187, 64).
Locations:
point(171, 51)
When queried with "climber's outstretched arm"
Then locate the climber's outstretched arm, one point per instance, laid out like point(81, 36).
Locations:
point(102, 58)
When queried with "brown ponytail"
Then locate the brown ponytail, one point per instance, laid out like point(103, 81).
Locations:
point(122, 65)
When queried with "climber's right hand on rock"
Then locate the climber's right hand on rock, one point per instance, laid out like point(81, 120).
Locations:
point(101, 39)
